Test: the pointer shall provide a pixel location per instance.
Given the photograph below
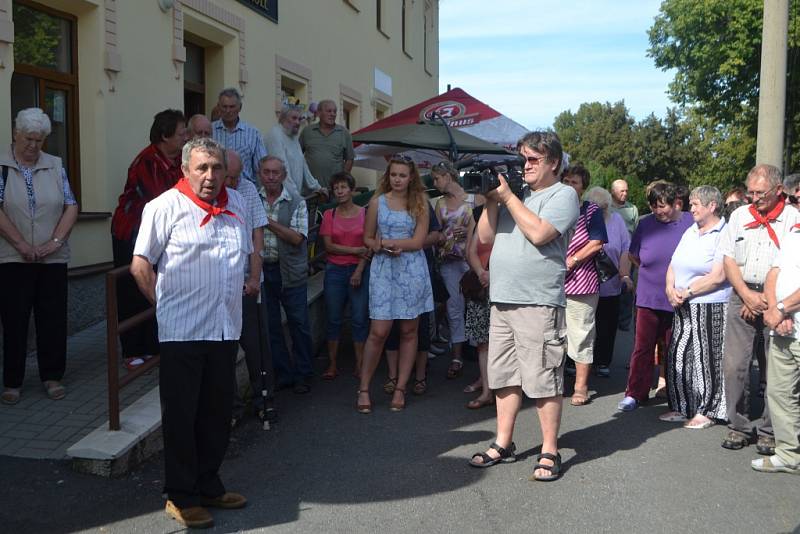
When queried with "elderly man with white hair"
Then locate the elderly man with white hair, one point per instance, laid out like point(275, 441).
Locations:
point(749, 244)
point(37, 213)
point(199, 126)
point(198, 238)
point(283, 142)
point(232, 132)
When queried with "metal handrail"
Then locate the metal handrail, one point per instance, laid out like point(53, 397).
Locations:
point(113, 330)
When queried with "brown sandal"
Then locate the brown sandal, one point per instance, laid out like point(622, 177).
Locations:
point(363, 408)
point(420, 386)
point(398, 406)
point(389, 385)
point(455, 369)
point(579, 398)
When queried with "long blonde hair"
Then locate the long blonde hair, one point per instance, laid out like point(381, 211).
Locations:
point(416, 199)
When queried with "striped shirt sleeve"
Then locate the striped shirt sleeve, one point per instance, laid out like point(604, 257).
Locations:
point(153, 234)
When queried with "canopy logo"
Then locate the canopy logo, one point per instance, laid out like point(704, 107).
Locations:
point(447, 110)
point(453, 112)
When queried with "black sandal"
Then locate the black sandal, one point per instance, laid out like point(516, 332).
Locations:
point(555, 469)
point(506, 456)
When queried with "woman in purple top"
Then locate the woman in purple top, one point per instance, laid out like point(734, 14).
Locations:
point(653, 243)
point(697, 289)
point(607, 314)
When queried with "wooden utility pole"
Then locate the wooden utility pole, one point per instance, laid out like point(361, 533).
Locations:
point(772, 89)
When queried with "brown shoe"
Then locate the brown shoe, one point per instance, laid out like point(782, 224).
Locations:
point(192, 517)
point(229, 501)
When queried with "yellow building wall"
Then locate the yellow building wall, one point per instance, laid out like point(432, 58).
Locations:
point(129, 61)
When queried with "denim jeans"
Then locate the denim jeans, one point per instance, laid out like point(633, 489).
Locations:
point(338, 292)
point(295, 305)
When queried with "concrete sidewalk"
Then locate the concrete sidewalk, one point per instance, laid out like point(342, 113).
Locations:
point(38, 427)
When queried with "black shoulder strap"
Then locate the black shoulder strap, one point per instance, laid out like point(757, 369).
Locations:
point(5, 174)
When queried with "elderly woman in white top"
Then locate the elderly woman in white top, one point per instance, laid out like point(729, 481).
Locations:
point(37, 212)
point(697, 289)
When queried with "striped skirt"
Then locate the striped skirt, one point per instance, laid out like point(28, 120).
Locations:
point(694, 361)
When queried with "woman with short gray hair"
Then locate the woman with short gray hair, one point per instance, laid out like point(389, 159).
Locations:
point(37, 212)
point(697, 289)
point(607, 313)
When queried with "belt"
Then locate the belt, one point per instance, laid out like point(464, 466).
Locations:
point(755, 287)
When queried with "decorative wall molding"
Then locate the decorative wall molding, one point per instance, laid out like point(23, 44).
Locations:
point(218, 14)
point(112, 61)
point(6, 31)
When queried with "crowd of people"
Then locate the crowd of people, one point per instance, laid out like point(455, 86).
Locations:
point(214, 224)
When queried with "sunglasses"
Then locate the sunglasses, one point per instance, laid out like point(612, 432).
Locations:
point(401, 158)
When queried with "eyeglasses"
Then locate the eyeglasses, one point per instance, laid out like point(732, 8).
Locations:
point(533, 160)
point(758, 194)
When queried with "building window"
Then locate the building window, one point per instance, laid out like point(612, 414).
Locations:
point(351, 115)
point(293, 92)
point(194, 80)
point(45, 76)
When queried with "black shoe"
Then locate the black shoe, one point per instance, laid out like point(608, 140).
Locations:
point(765, 445)
point(301, 388)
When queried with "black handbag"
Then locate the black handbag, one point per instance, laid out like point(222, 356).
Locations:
point(606, 270)
point(440, 293)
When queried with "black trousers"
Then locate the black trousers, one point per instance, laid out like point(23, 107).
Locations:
point(606, 321)
point(143, 339)
point(41, 288)
point(196, 386)
point(257, 352)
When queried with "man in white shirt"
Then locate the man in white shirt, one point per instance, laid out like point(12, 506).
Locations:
point(283, 142)
point(196, 237)
point(782, 289)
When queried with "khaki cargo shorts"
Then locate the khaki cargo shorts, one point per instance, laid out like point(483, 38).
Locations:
point(527, 348)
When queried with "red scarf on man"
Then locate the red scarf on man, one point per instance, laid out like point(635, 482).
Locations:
point(764, 220)
point(211, 210)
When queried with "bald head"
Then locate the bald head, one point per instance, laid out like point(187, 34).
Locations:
point(619, 191)
point(199, 126)
point(234, 169)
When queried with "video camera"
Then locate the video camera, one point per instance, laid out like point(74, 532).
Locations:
point(481, 175)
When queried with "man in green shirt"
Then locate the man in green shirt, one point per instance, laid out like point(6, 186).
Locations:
point(327, 146)
point(620, 204)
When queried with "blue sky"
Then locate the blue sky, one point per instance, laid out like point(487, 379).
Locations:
point(533, 60)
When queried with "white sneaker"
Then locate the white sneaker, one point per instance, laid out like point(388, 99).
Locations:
point(628, 404)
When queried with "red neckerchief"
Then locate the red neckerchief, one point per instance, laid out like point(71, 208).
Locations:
point(211, 211)
point(766, 219)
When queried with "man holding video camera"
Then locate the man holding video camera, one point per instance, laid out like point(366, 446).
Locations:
point(527, 340)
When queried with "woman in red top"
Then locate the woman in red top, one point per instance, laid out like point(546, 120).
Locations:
point(346, 278)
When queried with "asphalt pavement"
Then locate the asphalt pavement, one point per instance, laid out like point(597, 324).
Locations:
point(326, 468)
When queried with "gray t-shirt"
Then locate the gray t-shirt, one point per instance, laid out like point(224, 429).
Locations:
point(522, 273)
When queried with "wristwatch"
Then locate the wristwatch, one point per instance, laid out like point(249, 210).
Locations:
point(689, 291)
point(781, 308)
point(58, 241)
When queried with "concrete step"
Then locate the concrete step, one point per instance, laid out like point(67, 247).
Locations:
point(108, 453)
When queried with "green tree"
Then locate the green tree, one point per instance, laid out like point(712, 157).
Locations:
point(715, 48)
point(597, 132)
